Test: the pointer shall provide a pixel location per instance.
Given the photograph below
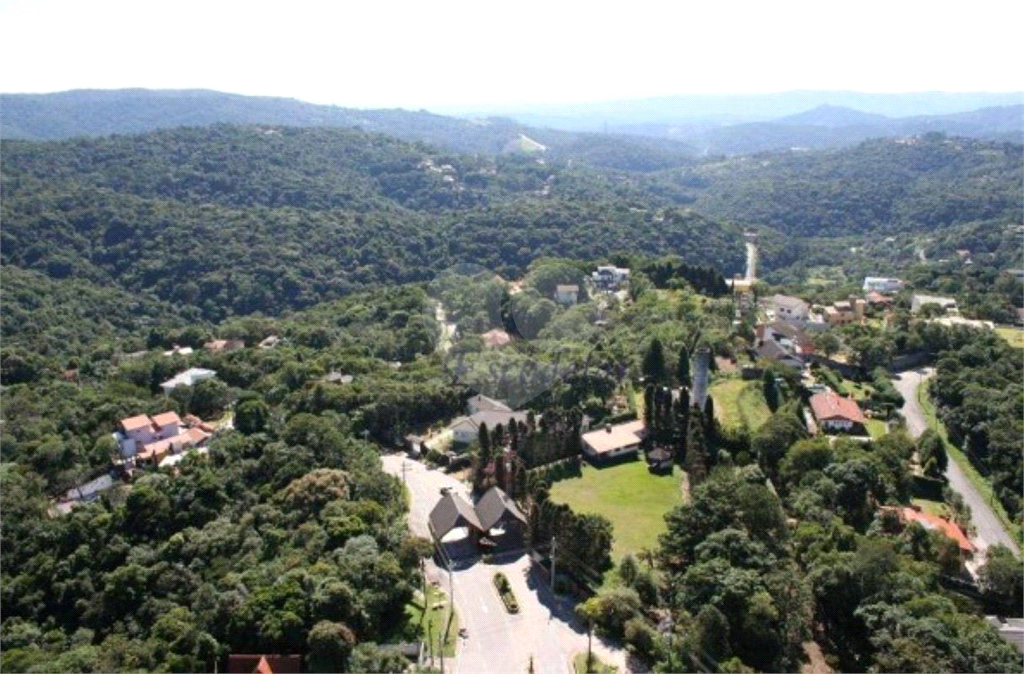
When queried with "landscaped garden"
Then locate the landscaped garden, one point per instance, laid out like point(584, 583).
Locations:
point(631, 497)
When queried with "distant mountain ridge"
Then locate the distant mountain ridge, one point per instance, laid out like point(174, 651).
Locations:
point(71, 114)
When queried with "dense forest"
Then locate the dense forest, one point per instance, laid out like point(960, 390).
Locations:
point(238, 220)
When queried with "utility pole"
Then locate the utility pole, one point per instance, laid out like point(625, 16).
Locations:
point(403, 471)
point(553, 563)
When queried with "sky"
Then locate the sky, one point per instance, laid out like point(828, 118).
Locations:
point(444, 54)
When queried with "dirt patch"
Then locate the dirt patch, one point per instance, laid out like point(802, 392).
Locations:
point(725, 365)
point(815, 663)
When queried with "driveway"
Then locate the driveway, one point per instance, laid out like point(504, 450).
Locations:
point(989, 530)
point(545, 627)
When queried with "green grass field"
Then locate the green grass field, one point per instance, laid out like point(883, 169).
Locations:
point(983, 486)
point(434, 622)
point(1015, 336)
point(876, 428)
point(739, 403)
point(633, 499)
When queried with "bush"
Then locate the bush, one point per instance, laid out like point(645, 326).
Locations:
point(505, 592)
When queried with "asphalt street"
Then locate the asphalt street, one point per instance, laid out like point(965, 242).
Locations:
point(545, 628)
point(989, 530)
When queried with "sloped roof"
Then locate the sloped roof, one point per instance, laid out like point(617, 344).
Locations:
point(484, 404)
point(829, 405)
point(493, 507)
point(166, 419)
point(450, 512)
point(934, 523)
point(245, 663)
point(135, 423)
point(611, 438)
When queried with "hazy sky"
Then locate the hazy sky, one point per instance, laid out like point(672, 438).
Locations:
point(435, 54)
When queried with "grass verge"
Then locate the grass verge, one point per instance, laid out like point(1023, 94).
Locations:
point(976, 479)
point(432, 622)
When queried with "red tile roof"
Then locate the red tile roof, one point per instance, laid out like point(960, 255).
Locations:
point(829, 405)
point(135, 423)
point(166, 419)
point(935, 523)
point(496, 337)
point(244, 663)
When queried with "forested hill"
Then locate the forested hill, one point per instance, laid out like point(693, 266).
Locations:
point(883, 186)
point(97, 113)
point(234, 220)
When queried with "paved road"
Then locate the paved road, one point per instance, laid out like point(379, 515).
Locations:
point(989, 530)
point(497, 641)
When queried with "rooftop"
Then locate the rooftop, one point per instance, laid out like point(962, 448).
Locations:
point(830, 405)
point(166, 419)
point(135, 423)
point(935, 523)
point(611, 438)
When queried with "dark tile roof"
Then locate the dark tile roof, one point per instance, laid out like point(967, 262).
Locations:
point(450, 512)
point(493, 507)
point(484, 404)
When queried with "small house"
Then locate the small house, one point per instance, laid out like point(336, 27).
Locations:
point(614, 442)
point(833, 412)
point(567, 294)
point(189, 377)
point(788, 308)
point(882, 284)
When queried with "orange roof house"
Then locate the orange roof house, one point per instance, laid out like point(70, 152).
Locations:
point(166, 419)
point(834, 412)
point(135, 423)
point(935, 523)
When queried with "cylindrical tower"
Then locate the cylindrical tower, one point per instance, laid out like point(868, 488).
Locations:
point(701, 366)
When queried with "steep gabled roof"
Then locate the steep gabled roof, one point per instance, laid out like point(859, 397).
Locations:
point(166, 419)
point(135, 423)
point(245, 663)
point(493, 507)
point(450, 512)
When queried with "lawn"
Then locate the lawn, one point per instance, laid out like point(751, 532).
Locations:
point(983, 486)
point(856, 390)
point(418, 627)
point(740, 403)
point(1015, 336)
point(876, 428)
point(633, 499)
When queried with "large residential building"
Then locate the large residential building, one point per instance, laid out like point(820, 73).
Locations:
point(788, 308)
point(833, 412)
point(882, 284)
point(144, 438)
point(613, 442)
point(189, 377)
point(845, 312)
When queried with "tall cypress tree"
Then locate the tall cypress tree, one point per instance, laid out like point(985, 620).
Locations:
point(654, 362)
point(683, 368)
point(696, 451)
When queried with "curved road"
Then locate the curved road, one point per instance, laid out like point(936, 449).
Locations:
point(989, 530)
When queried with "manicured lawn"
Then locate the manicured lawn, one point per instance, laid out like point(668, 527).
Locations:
point(435, 621)
point(983, 486)
point(876, 428)
point(633, 499)
point(739, 403)
point(1015, 336)
point(856, 390)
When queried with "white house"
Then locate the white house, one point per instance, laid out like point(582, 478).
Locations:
point(882, 284)
point(467, 429)
point(788, 308)
point(167, 425)
point(948, 304)
point(566, 294)
point(133, 433)
point(189, 377)
point(612, 442)
point(609, 277)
